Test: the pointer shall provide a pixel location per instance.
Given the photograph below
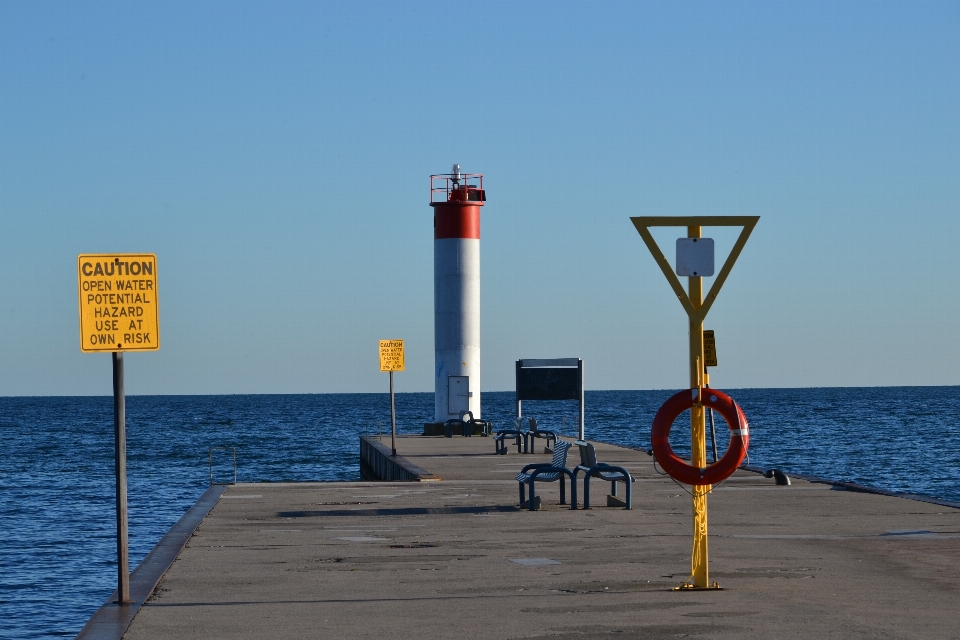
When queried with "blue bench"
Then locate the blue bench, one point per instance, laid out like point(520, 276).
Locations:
point(549, 472)
point(469, 426)
point(450, 424)
point(594, 469)
point(515, 434)
point(529, 437)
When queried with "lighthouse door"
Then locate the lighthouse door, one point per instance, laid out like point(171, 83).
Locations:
point(458, 398)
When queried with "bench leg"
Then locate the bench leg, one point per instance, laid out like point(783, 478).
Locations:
point(586, 491)
point(629, 494)
point(573, 494)
point(563, 489)
point(613, 488)
point(522, 492)
point(533, 497)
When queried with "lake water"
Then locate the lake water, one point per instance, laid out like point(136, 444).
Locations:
point(58, 550)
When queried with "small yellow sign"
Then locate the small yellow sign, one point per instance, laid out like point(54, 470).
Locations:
point(709, 349)
point(391, 355)
point(118, 302)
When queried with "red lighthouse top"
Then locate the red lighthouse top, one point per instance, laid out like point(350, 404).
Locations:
point(457, 187)
point(456, 199)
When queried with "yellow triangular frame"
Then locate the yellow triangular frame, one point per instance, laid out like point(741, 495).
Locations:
point(643, 224)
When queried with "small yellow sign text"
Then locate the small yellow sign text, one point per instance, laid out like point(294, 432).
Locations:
point(709, 349)
point(118, 302)
point(391, 355)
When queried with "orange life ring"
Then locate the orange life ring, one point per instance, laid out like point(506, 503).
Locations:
point(722, 468)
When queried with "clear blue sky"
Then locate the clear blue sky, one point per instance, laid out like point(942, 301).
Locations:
point(275, 156)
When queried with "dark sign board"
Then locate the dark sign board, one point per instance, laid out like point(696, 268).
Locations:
point(548, 383)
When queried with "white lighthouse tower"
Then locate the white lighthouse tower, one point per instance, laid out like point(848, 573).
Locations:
point(456, 199)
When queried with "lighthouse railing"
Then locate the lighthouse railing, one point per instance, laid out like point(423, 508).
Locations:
point(441, 185)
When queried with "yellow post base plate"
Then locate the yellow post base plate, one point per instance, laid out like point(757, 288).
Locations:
point(686, 586)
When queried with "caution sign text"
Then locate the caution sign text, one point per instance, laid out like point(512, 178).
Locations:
point(118, 302)
point(391, 355)
point(709, 349)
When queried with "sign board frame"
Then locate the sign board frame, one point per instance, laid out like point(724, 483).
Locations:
point(551, 379)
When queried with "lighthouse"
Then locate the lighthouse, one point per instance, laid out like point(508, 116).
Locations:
point(456, 199)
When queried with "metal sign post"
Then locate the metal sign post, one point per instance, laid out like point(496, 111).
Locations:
point(120, 466)
point(391, 359)
point(119, 312)
point(697, 307)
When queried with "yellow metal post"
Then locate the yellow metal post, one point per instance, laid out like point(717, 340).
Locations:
point(699, 566)
point(697, 307)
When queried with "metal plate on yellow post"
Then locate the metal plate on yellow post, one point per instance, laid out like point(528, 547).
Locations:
point(695, 257)
point(118, 302)
point(391, 355)
point(709, 349)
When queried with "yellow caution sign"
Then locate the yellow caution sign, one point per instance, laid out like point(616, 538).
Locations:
point(391, 355)
point(709, 349)
point(118, 302)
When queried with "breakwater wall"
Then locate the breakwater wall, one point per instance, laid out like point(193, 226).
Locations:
point(377, 463)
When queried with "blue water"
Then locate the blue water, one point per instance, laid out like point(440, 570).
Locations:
point(57, 520)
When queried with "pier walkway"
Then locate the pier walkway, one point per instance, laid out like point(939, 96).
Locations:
point(456, 558)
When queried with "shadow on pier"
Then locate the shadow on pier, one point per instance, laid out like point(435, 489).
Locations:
point(403, 511)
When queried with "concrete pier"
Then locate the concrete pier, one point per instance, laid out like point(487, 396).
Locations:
point(377, 462)
point(455, 558)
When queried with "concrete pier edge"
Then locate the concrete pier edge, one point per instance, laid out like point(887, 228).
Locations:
point(839, 484)
point(378, 464)
point(111, 620)
point(853, 486)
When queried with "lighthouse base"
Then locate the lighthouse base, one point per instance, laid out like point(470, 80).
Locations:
point(439, 429)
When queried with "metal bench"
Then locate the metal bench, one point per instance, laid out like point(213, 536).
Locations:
point(529, 437)
point(450, 424)
point(588, 463)
point(473, 423)
point(469, 426)
point(549, 472)
point(500, 440)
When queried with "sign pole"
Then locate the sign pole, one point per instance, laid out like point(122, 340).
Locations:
point(696, 306)
point(391, 359)
point(699, 568)
point(120, 460)
point(393, 419)
point(117, 295)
